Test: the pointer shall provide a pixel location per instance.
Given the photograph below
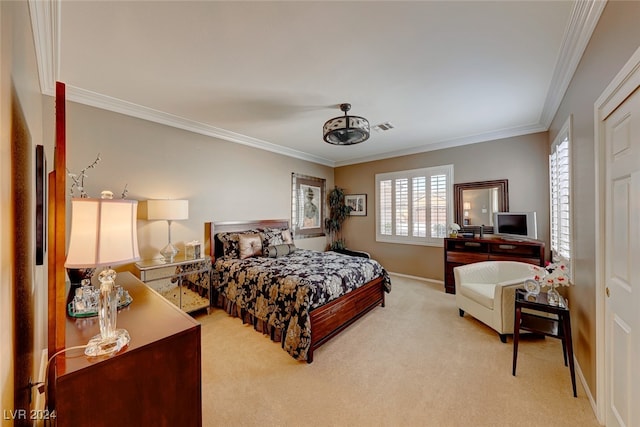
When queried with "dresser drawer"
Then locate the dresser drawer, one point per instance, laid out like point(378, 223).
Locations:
point(521, 251)
point(466, 257)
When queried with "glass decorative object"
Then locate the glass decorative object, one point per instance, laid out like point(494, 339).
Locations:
point(553, 297)
point(532, 286)
point(103, 234)
point(168, 210)
point(110, 339)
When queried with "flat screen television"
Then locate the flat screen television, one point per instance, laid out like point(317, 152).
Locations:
point(515, 224)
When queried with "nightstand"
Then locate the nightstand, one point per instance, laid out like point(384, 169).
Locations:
point(186, 282)
point(556, 326)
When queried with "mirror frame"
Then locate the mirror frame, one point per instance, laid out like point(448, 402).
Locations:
point(458, 190)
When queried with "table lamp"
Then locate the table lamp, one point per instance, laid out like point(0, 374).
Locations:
point(104, 234)
point(168, 210)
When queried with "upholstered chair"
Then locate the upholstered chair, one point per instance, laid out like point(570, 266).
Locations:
point(486, 291)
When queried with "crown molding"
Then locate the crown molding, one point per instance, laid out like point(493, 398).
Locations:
point(45, 19)
point(450, 143)
point(582, 22)
point(97, 100)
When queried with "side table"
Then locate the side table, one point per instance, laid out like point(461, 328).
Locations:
point(186, 282)
point(559, 327)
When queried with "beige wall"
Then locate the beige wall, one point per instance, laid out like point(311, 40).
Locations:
point(615, 39)
point(18, 74)
point(6, 253)
point(522, 160)
point(223, 181)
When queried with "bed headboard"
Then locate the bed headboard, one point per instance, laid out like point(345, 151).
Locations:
point(213, 245)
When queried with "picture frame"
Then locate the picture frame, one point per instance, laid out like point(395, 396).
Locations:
point(307, 205)
point(358, 203)
point(41, 188)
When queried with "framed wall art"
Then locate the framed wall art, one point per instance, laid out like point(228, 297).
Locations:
point(358, 203)
point(41, 186)
point(307, 205)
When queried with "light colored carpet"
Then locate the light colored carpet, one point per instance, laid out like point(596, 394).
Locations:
point(414, 362)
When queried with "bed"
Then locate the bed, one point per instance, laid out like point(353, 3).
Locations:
point(299, 298)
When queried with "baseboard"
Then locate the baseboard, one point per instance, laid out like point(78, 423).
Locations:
point(39, 401)
point(420, 279)
point(592, 401)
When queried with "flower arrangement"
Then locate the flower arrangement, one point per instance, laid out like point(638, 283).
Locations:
point(453, 229)
point(552, 275)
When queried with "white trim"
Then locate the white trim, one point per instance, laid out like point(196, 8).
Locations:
point(582, 22)
point(46, 24)
point(625, 82)
point(93, 99)
point(489, 136)
point(40, 400)
point(45, 20)
point(419, 279)
point(586, 389)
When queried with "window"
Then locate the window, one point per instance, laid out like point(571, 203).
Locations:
point(414, 206)
point(560, 195)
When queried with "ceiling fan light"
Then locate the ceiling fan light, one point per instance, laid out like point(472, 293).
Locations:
point(346, 130)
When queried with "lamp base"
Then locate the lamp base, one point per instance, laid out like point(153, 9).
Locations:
point(169, 252)
point(99, 346)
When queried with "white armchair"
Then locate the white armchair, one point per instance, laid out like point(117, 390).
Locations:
point(486, 290)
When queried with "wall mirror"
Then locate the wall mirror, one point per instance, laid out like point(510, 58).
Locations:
point(476, 202)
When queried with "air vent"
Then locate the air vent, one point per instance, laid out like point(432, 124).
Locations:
point(383, 127)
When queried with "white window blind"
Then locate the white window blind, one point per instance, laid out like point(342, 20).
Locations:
point(414, 206)
point(385, 213)
point(560, 195)
point(419, 206)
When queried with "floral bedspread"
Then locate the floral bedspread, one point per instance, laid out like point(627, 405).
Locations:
point(282, 291)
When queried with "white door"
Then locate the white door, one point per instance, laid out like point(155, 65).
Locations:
point(622, 263)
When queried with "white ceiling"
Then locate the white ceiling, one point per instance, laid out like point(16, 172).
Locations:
point(270, 73)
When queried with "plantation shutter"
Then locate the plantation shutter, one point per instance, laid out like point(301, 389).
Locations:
point(560, 193)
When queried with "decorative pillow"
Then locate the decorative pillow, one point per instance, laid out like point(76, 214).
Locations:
point(287, 237)
point(250, 245)
point(278, 250)
point(231, 243)
point(272, 237)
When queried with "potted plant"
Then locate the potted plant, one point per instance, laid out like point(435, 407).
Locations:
point(338, 213)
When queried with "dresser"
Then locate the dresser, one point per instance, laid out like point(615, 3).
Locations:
point(156, 380)
point(461, 251)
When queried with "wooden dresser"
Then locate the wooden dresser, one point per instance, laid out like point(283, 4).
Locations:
point(156, 380)
point(461, 251)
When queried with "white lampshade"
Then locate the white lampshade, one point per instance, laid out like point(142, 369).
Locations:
point(167, 209)
point(466, 205)
point(103, 233)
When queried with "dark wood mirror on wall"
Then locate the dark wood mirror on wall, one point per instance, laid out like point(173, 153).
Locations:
point(476, 202)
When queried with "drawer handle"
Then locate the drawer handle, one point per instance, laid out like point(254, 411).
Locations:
point(507, 247)
point(472, 244)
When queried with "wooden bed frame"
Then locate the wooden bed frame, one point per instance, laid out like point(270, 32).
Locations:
point(328, 320)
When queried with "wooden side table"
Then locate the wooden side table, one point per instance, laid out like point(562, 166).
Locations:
point(559, 327)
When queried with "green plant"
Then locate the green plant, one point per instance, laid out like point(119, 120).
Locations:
point(338, 213)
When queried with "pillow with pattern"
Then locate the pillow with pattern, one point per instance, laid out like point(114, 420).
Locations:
point(278, 250)
point(287, 236)
point(231, 243)
point(272, 237)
